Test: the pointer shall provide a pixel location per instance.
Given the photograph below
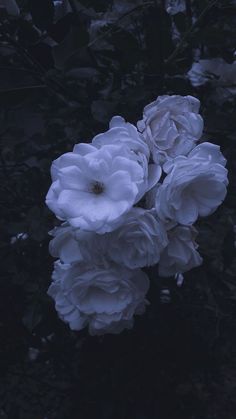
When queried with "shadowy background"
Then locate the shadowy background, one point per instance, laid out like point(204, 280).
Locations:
point(66, 68)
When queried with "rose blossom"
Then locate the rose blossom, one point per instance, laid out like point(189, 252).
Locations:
point(138, 241)
point(75, 245)
point(215, 70)
point(122, 133)
point(194, 186)
point(171, 126)
point(180, 255)
point(63, 245)
point(92, 188)
point(105, 299)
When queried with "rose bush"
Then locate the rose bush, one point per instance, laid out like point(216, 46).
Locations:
point(122, 212)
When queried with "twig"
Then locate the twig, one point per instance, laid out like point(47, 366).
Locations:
point(13, 89)
point(106, 33)
point(25, 70)
point(189, 32)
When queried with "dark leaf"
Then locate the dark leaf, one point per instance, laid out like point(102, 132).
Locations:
point(42, 13)
point(73, 42)
point(27, 33)
point(12, 78)
point(180, 21)
point(60, 29)
point(228, 250)
point(42, 53)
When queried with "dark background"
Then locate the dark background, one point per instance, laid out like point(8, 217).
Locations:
point(65, 70)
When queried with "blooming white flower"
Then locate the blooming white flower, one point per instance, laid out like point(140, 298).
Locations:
point(138, 241)
point(122, 133)
point(92, 188)
point(180, 255)
point(105, 299)
point(194, 186)
point(171, 126)
point(214, 70)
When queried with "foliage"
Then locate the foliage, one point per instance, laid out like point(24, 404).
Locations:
point(66, 68)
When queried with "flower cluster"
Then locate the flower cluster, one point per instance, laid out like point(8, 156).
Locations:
point(128, 200)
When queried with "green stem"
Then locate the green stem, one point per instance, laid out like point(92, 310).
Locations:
point(181, 45)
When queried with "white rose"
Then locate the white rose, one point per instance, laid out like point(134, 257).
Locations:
point(92, 188)
point(215, 70)
point(105, 299)
point(171, 126)
point(194, 186)
point(138, 241)
point(122, 133)
point(75, 245)
point(180, 255)
point(63, 245)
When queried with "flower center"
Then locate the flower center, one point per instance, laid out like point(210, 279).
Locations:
point(97, 188)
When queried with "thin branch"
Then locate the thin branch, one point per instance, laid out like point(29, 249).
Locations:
point(109, 31)
point(189, 32)
point(16, 89)
point(25, 70)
